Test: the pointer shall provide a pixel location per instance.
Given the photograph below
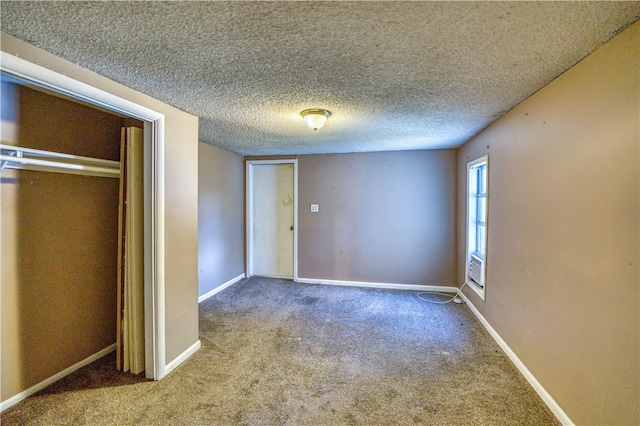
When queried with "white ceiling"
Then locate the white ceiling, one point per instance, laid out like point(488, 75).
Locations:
point(395, 75)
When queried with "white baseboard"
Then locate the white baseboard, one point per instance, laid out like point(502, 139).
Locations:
point(36, 388)
point(535, 384)
point(218, 289)
point(182, 357)
point(393, 286)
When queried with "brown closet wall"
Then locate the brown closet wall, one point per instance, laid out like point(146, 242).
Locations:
point(59, 240)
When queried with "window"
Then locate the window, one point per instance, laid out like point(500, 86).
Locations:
point(477, 202)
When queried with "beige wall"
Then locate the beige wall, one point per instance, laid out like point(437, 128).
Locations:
point(181, 195)
point(220, 217)
point(383, 217)
point(563, 244)
point(59, 241)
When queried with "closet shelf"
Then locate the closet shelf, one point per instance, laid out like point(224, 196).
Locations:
point(15, 157)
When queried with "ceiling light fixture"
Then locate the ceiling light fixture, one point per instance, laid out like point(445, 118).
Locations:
point(315, 118)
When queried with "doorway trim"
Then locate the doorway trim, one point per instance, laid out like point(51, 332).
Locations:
point(249, 169)
point(154, 172)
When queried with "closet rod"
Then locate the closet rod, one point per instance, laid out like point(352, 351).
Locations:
point(57, 164)
point(22, 158)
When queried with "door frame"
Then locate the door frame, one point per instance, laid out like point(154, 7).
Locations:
point(249, 168)
point(154, 176)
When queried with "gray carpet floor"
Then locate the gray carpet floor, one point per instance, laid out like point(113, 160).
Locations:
point(276, 352)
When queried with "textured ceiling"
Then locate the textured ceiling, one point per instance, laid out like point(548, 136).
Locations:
point(396, 75)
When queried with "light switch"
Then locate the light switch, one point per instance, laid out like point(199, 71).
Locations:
point(314, 208)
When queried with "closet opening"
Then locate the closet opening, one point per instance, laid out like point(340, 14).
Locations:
point(57, 229)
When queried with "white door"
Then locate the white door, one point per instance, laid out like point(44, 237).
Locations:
point(272, 188)
point(130, 353)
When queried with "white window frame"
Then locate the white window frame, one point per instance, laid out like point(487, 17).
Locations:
point(472, 220)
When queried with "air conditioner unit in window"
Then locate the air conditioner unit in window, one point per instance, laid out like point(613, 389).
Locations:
point(476, 270)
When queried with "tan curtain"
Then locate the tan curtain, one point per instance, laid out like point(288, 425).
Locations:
point(130, 327)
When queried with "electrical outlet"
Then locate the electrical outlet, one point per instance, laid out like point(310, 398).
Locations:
point(314, 208)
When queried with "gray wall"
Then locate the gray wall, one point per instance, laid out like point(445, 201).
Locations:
point(563, 238)
point(220, 217)
point(383, 217)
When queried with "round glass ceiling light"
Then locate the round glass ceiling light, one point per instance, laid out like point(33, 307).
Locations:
point(315, 118)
